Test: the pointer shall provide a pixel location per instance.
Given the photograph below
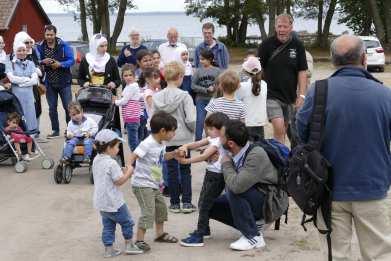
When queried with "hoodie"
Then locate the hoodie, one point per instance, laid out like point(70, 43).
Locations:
point(180, 105)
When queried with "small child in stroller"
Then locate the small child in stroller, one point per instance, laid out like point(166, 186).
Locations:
point(80, 128)
point(18, 136)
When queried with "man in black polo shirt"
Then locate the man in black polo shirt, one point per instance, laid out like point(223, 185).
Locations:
point(285, 72)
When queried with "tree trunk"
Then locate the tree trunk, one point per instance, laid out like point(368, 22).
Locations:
point(103, 14)
point(95, 19)
point(243, 30)
point(379, 26)
point(387, 16)
point(272, 15)
point(280, 7)
point(118, 25)
point(320, 20)
point(327, 22)
point(261, 25)
point(83, 20)
point(288, 6)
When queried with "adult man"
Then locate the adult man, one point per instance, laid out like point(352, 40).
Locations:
point(220, 52)
point(170, 50)
point(283, 59)
point(248, 179)
point(57, 58)
point(357, 144)
point(128, 53)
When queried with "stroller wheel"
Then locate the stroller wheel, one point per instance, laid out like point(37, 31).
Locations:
point(58, 174)
point(47, 163)
point(91, 175)
point(67, 174)
point(20, 167)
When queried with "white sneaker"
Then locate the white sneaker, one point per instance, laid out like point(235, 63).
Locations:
point(243, 243)
point(26, 157)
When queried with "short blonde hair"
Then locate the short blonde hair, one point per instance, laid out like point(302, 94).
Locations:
point(229, 81)
point(173, 71)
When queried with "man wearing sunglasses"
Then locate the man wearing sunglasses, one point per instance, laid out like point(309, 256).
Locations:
point(57, 58)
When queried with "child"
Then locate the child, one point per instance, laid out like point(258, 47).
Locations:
point(131, 109)
point(253, 94)
point(213, 183)
point(144, 61)
point(80, 127)
point(250, 53)
point(158, 64)
point(152, 79)
point(17, 135)
point(186, 85)
point(203, 85)
point(108, 199)
point(147, 178)
point(179, 104)
point(228, 104)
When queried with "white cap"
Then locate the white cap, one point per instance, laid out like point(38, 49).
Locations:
point(106, 136)
point(252, 65)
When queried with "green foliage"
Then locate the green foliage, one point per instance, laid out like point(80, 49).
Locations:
point(356, 16)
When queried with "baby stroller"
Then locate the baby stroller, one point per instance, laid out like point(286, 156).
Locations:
point(97, 104)
point(9, 103)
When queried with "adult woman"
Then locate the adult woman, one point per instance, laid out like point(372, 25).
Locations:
point(98, 67)
point(3, 59)
point(22, 74)
point(33, 56)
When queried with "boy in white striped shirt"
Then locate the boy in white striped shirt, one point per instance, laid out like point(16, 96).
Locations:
point(228, 104)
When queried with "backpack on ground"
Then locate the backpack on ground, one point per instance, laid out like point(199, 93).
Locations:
point(309, 178)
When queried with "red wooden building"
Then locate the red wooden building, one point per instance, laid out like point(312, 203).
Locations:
point(21, 15)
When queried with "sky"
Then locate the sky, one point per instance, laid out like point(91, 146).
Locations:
point(52, 6)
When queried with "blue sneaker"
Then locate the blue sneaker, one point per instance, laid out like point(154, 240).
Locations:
point(193, 240)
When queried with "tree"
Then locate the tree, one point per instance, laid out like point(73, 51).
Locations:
point(98, 11)
point(323, 11)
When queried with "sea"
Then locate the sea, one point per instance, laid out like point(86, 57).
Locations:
point(154, 25)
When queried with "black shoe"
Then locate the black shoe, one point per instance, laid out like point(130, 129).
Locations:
point(55, 134)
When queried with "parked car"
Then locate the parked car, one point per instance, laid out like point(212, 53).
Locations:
point(375, 53)
point(79, 50)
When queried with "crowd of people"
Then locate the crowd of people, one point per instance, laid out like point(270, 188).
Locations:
point(169, 108)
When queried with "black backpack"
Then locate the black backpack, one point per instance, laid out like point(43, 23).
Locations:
point(309, 180)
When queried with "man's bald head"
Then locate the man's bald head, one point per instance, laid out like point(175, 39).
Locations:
point(348, 50)
point(172, 35)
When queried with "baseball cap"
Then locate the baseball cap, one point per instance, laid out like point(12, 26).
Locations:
point(252, 65)
point(106, 136)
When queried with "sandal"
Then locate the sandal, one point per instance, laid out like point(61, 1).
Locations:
point(166, 238)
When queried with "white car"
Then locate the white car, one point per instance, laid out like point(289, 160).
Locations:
point(375, 53)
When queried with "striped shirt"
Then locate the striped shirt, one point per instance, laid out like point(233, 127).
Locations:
point(130, 102)
point(234, 109)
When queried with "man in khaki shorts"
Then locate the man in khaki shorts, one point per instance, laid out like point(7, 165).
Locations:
point(285, 72)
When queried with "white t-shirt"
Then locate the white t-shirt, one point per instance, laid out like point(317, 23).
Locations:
point(216, 166)
point(131, 92)
point(148, 172)
point(107, 196)
point(170, 53)
point(256, 105)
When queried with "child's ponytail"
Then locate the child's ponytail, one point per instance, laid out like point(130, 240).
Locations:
point(256, 83)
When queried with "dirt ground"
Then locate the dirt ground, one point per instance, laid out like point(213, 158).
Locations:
point(43, 221)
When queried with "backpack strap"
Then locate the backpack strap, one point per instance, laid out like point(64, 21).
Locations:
point(318, 116)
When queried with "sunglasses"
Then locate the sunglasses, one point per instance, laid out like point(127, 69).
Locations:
point(99, 36)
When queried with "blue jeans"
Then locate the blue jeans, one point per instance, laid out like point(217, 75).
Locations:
point(175, 181)
point(52, 93)
point(71, 143)
point(240, 210)
point(132, 129)
point(201, 114)
point(110, 220)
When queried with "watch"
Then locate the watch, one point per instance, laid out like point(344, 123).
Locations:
point(302, 96)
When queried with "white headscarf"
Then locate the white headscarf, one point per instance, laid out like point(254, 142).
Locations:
point(3, 55)
point(97, 62)
point(19, 40)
